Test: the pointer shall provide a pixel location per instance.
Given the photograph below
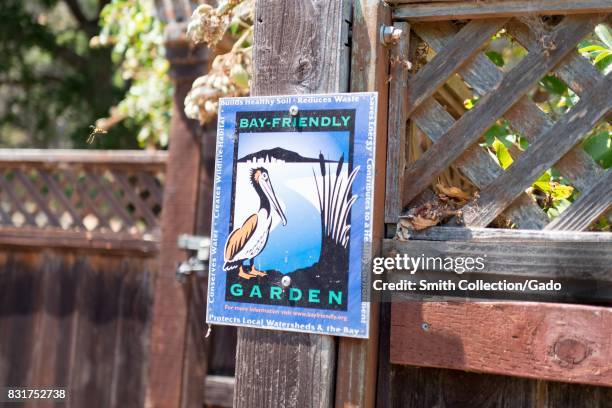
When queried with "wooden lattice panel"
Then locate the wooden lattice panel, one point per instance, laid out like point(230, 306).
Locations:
point(84, 191)
point(552, 143)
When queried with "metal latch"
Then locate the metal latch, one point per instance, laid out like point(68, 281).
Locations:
point(198, 262)
point(390, 35)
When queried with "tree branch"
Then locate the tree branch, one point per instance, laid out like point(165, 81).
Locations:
point(101, 4)
point(87, 25)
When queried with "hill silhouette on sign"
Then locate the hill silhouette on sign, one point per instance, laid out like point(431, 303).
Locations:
point(281, 154)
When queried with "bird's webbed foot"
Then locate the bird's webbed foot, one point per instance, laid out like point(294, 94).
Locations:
point(255, 272)
point(243, 274)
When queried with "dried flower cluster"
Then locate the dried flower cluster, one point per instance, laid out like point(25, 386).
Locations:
point(230, 73)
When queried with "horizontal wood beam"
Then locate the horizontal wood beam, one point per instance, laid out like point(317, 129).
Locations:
point(506, 235)
point(556, 342)
point(81, 156)
point(219, 391)
point(538, 258)
point(88, 240)
point(454, 10)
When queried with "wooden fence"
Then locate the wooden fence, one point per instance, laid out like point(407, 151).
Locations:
point(432, 137)
point(78, 259)
point(424, 348)
point(80, 232)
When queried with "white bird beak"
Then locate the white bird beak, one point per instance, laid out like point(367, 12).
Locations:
point(269, 191)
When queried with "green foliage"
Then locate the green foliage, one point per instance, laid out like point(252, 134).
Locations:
point(599, 146)
point(598, 48)
point(136, 36)
point(554, 85)
point(553, 96)
point(53, 86)
point(496, 57)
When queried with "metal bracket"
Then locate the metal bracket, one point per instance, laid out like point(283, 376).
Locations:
point(390, 35)
point(198, 262)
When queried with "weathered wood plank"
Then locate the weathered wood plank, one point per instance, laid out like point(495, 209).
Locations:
point(545, 341)
point(299, 48)
point(470, 10)
point(197, 354)
point(130, 355)
point(21, 313)
point(166, 385)
point(577, 166)
point(44, 352)
point(476, 164)
point(524, 116)
point(398, 116)
point(320, 65)
point(87, 240)
point(358, 359)
point(587, 208)
point(157, 158)
point(574, 395)
point(219, 391)
point(98, 303)
point(417, 387)
point(463, 46)
point(575, 70)
point(506, 235)
point(542, 259)
point(74, 273)
point(275, 369)
point(528, 119)
point(492, 106)
point(541, 155)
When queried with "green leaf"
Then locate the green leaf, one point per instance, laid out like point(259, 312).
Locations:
point(543, 182)
point(553, 85)
point(502, 153)
point(605, 65)
point(591, 48)
point(602, 55)
point(561, 192)
point(496, 57)
point(604, 34)
point(599, 147)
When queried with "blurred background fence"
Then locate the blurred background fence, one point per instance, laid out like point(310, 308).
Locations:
point(79, 235)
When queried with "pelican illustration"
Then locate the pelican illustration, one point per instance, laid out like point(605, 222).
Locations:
point(250, 239)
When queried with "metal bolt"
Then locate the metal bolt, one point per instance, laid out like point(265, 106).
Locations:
point(286, 281)
point(425, 326)
point(390, 35)
point(293, 110)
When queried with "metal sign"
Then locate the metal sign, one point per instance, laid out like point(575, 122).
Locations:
point(292, 225)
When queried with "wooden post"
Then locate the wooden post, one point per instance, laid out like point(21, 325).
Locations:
point(357, 359)
point(300, 47)
point(171, 301)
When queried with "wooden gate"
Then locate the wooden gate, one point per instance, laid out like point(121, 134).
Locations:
point(79, 237)
point(435, 142)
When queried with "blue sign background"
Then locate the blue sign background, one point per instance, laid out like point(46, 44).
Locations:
point(352, 322)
